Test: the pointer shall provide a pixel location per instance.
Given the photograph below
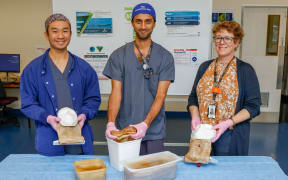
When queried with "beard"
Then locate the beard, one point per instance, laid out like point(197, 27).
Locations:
point(143, 37)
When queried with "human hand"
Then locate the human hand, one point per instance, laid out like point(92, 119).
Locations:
point(195, 122)
point(53, 121)
point(221, 128)
point(110, 127)
point(81, 120)
point(141, 130)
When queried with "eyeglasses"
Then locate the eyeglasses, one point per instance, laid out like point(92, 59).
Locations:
point(225, 39)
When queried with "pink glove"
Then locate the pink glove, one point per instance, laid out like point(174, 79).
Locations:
point(222, 126)
point(110, 127)
point(53, 121)
point(195, 122)
point(81, 119)
point(141, 130)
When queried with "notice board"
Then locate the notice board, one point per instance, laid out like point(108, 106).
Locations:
point(99, 27)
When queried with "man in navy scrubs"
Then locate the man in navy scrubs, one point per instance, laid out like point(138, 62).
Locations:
point(141, 72)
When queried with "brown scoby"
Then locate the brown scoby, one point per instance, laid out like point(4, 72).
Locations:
point(199, 151)
point(124, 134)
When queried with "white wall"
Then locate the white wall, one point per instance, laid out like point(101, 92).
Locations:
point(22, 28)
point(23, 23)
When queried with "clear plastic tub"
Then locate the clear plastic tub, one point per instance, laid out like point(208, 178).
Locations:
point(119, 152)
point(157, 166)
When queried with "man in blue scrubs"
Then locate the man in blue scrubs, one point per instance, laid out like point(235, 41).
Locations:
point(55, 80)
point(141, 72)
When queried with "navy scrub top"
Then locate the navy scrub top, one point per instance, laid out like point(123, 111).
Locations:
point(138, 93)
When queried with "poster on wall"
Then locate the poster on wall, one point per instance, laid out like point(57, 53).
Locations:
point(182, 27)
point(182, 23)
point(97, 58)
point(127, 24)
point(186, 56)
point(219, 15)
point(93, 23)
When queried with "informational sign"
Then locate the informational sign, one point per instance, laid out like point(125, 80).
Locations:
point(186, 56)
point(93, 23)
point(219, 15)
point(182, 18)
point(100, 27)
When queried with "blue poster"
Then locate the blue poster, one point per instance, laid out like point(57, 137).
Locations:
point(86, 24)
point(183, 18)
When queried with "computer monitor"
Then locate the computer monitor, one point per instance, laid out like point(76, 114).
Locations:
point(9, 63)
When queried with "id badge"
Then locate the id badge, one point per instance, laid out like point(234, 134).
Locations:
point(212, 111)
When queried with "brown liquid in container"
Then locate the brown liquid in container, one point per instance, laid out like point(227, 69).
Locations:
point(150, 162)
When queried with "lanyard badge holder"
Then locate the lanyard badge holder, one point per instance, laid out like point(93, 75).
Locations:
point(212, 111)
point(147, 69)
point(212, 107)
point(216, 90)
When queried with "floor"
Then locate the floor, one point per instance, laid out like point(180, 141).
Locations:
point(266, 139)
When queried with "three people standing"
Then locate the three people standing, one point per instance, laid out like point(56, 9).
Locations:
point(225, 93)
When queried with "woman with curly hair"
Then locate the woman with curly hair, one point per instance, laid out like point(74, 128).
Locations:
point(226, 93)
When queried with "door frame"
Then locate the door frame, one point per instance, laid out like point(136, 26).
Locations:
point(281, 56)
point(255, 6)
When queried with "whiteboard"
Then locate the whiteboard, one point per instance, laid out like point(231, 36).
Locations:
point(182, 27)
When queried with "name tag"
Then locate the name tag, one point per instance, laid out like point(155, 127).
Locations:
point(212, 111)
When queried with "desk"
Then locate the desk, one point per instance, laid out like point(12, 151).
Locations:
point(38, 167)
point(11, 84)
point(8, 84)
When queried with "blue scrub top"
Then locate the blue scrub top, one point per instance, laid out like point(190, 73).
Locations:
point(38, 100)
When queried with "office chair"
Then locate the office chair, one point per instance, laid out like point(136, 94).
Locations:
point(4, 101)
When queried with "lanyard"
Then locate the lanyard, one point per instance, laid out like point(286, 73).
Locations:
point(216, 84)
point(147, 58)
point(147, 70)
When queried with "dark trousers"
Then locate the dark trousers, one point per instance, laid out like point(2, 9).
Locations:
point(73, 149)
point(151, 146)
point(222, 146)
point(233, 142)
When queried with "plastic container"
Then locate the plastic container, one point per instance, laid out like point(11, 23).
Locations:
point(157, 166)
point(119, 152)
point(92, 169)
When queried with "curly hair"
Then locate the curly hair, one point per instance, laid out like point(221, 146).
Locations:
point(230, 26)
